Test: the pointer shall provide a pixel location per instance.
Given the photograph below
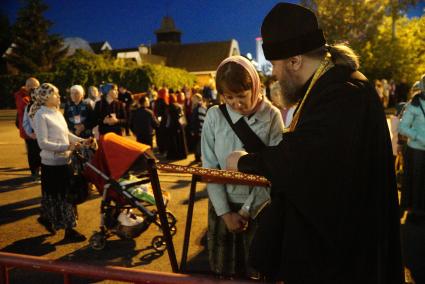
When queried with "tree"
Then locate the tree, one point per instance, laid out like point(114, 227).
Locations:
point(5, 40)
point(402, 58)
point(85, 60)
point(397, 9)
point(34, 50)
point(370, 28)
point(349, 21)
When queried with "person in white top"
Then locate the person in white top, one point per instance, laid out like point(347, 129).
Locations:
point(56, 144)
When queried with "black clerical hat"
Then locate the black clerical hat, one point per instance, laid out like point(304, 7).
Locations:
point(289, 30)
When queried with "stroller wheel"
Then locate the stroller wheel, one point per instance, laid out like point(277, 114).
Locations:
point(158, 243)
point(172, 223)
point(97, 241)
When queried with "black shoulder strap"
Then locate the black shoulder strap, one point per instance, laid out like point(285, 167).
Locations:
point(252, 143)
point(422, 109)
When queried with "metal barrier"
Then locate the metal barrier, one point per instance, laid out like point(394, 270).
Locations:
point(68, 269)
point(10, 260)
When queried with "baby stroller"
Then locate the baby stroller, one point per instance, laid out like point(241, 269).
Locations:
point(121, 170)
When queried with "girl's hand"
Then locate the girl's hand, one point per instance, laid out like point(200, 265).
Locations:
point(235, 223)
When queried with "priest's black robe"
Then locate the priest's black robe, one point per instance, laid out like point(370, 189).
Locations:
point(334, 211)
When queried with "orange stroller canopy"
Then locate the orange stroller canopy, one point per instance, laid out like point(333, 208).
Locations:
point(120, 153)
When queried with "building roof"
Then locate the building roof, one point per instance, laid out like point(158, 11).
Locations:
point(194, 57)
point(74, 43)
point(120, 50)
point(97, 46)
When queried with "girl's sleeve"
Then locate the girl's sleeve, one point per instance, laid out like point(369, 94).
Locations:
point(405, 126)
point(216, 192)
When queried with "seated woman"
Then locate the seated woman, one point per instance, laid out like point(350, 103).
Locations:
point(233, 209)
point(109, 111)
point(56, 144)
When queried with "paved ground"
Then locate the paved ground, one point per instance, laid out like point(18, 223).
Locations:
point(20, 233)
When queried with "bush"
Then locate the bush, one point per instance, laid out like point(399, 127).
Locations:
point(137, 79)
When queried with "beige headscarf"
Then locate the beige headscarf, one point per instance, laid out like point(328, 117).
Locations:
point(255, 78)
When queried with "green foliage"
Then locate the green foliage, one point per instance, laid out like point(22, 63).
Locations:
point(137, 79)
point(34, 49)
point(403, 57)
point(390, 45)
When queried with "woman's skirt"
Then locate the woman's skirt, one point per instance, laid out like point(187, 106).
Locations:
point(228, 252)
point(54, 183)
point(413, 190)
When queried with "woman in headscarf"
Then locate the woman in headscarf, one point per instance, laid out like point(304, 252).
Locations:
point(233, 209)
point(412, 125)
point(56, 144)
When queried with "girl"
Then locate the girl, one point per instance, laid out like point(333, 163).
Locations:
point(412, 125)
point(232, 209)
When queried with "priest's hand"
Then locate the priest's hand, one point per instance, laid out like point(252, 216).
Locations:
point(233, 159)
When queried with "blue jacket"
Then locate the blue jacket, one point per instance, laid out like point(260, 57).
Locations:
point(412, 125)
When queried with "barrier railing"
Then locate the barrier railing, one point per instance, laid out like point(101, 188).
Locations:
point(207, 176)
point(10, 260)
point(68, 269)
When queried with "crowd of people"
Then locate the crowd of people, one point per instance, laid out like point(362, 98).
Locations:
point(331, 214)
point(52, 129)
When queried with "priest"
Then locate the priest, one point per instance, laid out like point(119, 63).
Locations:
point(334, 213)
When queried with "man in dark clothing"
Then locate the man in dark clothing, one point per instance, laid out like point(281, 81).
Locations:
point(143, 122)
point(333, 217)
point(22, 99)
point(126, 98)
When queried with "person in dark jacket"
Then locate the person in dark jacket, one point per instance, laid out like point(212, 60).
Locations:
point(126, 98)
point(176, 138)
point(334, 214)
point(22, 99)
point(143, 122)
point(197, 118)
point(109, 111)
point(78, 114)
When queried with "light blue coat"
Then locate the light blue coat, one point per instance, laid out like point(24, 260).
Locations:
point(412, 125)
point(219, 140)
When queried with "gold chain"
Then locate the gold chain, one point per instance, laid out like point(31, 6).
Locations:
point(325, 65)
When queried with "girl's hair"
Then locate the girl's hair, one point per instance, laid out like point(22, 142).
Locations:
point(232, 77)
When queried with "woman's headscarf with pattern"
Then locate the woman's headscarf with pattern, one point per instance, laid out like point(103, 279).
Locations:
point(41, 95)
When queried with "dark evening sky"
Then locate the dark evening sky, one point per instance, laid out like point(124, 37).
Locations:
point(128, 23)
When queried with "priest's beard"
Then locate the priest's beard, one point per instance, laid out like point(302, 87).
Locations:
point(290, 88)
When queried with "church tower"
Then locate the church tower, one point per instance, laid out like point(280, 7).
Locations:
point(168, 33)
